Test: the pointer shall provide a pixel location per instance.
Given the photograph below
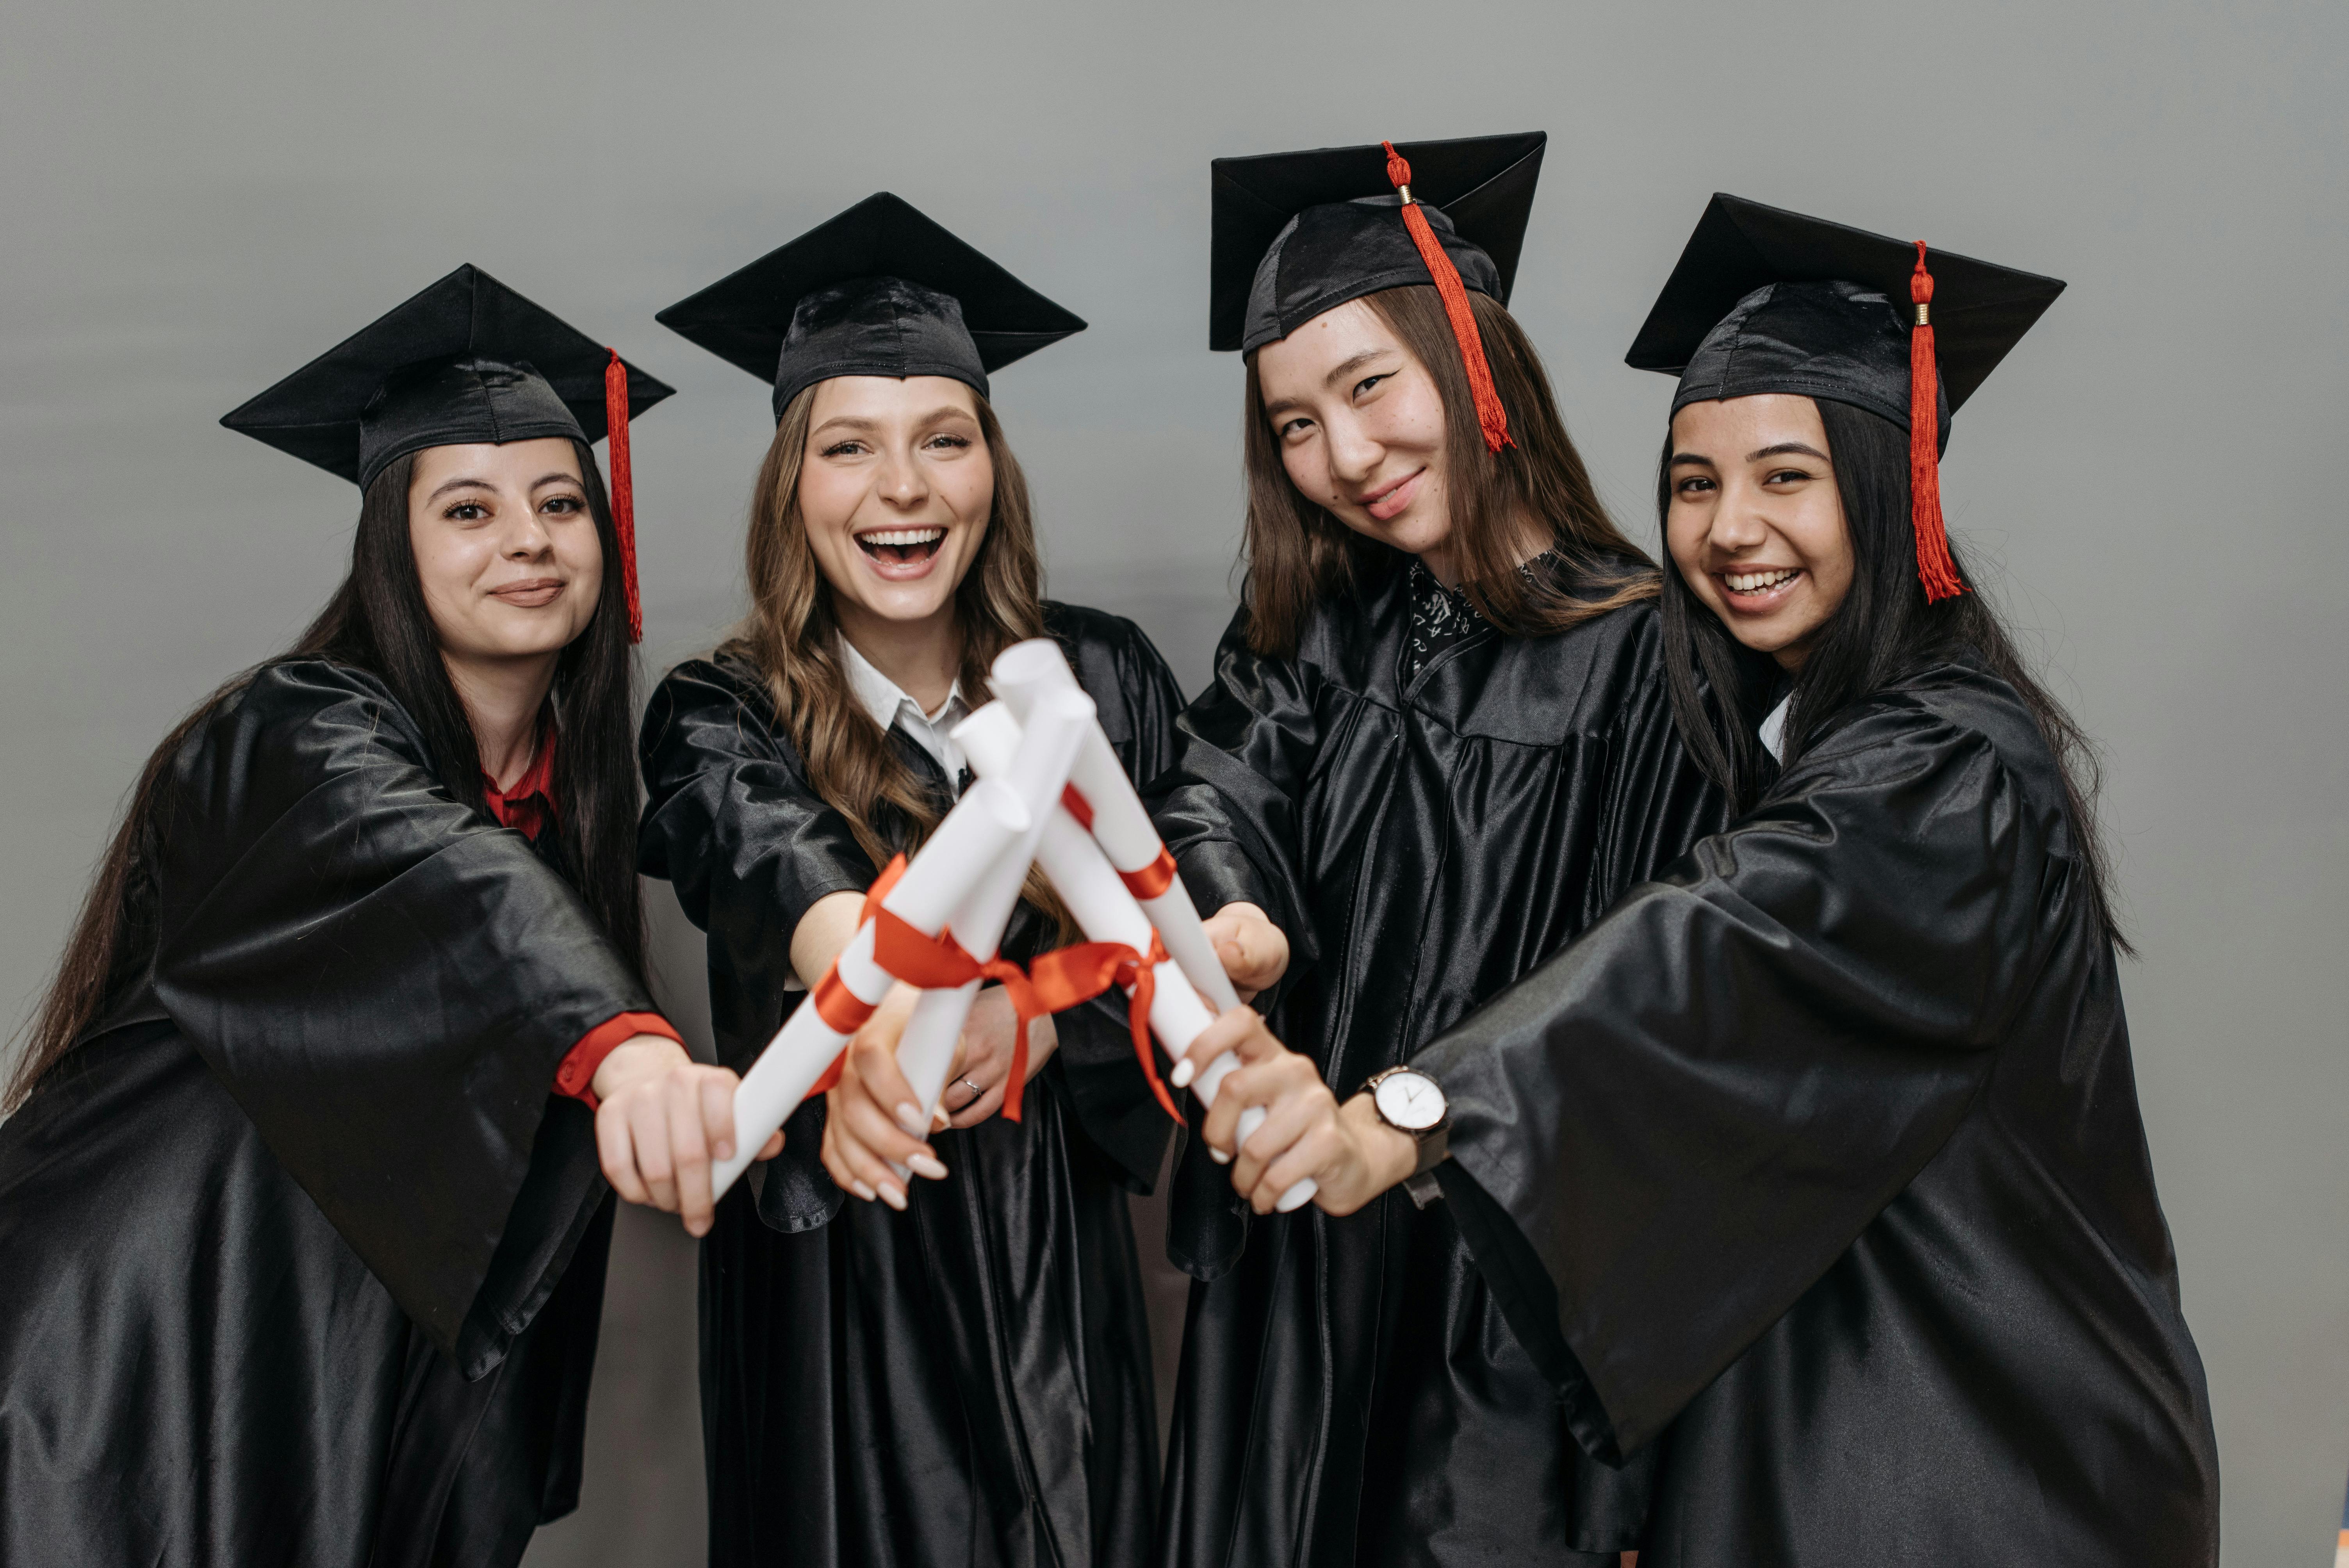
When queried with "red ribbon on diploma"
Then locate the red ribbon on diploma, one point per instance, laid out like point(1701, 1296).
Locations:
point(1055, 982)
point(1068, 976)
point(939, 963)
point(1144, 884)
point(836, 1004)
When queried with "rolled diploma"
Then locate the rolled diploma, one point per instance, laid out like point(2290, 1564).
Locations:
point(1038, 772)
point(1106, 911)
point(1123, 827)
point(982, 825)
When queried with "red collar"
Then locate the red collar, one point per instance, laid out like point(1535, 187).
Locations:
point(528, 805)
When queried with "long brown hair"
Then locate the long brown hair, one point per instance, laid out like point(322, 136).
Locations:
point(377, 621)
point(792, 635)
point(1299, 554)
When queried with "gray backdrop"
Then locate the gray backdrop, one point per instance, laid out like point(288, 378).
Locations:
point(198, 199)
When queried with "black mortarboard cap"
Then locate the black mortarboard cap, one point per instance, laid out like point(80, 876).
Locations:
point(1765, 300)
point(879, 290)
point(1298, 234)
point(467, 360)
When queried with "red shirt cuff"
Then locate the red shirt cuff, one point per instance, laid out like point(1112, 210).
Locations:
point(578, 1068)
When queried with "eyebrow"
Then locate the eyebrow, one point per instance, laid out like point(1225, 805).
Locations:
point(938, 415)
point(1338, 373)
point(468, 482)
point(1692, 459)
point(1787, 448)
point(1348, 366)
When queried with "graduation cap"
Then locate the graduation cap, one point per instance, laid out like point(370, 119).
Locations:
point(467, 361)
point(879, 290)
point(1298, 234)
point(1765, 300)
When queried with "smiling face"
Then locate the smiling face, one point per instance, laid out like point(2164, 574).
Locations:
point(506, 550)
point(1756, 524)
point(1360, 429)
point(896, 488)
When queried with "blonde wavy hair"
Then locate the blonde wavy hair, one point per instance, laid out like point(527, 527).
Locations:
point(792, 635)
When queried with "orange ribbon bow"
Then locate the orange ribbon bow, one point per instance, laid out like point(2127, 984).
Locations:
point(1055, 982)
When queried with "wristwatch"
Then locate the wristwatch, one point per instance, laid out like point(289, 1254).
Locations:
point(1410, 1101)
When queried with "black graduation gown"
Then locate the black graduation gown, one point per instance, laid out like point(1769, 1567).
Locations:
point(968, 1382)
point(1349, 1392)
point(1823, 1150)
point(301, 1261)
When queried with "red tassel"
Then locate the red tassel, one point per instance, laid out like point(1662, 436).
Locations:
point(1935, 570)
point(624, 497)
point(1489, 412)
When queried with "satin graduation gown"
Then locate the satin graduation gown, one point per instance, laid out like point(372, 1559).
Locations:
point(1820, 1158)
point(301, 1261)
point(1350, 1391)
point(968, 1382)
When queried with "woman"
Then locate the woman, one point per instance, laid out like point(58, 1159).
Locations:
point(1816, 1165)
point(1437, 746)
point(949, 1372)
point(301, 1236)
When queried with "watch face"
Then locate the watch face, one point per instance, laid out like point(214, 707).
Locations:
point(1411, 1101)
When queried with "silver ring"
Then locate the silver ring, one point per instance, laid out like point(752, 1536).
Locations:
point(977, 1094)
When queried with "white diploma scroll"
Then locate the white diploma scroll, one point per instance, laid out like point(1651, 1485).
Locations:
point(1036, 775)
point(983, 824)
point(1106, 909)
point(1121, 824)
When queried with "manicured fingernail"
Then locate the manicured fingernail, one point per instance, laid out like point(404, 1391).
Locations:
point(940, 1120)
point(1218, 1156)
point(862, 1190)
point(1295, 1198)
point(924, 1165)
point(895, 1199)
point(909, 1117)
point(1183, 1074)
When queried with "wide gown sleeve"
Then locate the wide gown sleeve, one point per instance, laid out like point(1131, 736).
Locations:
point(1230, 808)
point(1666, 1133)
point(386, 982)
point(733, 824)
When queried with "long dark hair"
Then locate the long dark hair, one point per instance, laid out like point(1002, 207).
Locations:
point(377, 621)
point(1299, 553)
point(1883, 631)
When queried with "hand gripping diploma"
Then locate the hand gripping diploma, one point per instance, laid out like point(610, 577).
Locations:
point(918, 898)
point(890, 1090)
point(1102, 803)
point(1342, 1155)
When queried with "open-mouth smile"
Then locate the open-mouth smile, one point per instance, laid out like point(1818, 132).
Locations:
point(902, 554)
point(902, 546)
point(1758, 588)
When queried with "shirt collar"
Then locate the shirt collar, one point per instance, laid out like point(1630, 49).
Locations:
point(1774, 729)
point(890, 707)
point(884, 698)
point(527, 805)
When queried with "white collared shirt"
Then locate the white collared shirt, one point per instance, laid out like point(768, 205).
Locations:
point(887, 701)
